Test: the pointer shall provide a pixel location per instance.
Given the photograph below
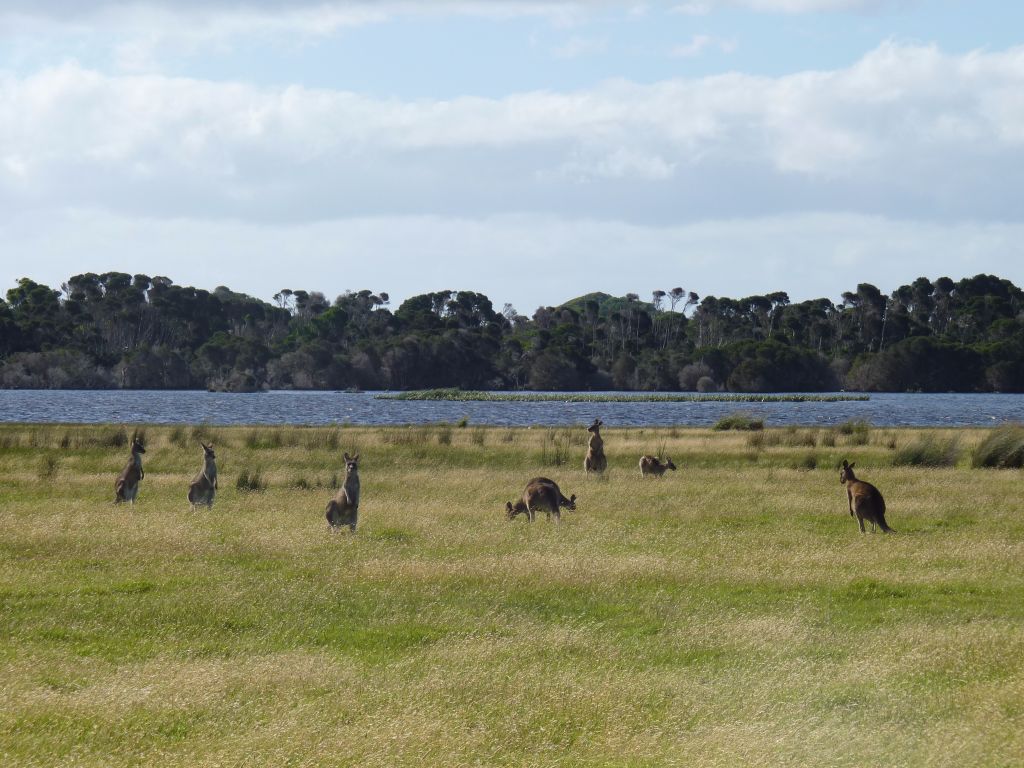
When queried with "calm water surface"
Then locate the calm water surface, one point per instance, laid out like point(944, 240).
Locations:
point(149, 407)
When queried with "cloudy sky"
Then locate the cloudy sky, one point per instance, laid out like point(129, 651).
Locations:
point(532, 151)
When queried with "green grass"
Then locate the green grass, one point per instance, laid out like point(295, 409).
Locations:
point(727, 614)
point(460, 395)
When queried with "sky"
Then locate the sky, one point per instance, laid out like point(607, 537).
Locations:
point(531, 151)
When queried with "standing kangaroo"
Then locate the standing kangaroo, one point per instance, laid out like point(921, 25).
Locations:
point(204, 485)
point(343, 509)
point(651, 465)
point(595, 460)
point(866, 503)
point(540, 493)
point(126, 487)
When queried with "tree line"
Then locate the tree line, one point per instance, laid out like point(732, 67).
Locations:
point(115, 330)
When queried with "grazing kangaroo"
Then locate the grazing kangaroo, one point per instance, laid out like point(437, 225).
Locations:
point(651, 465)
point(343, 509)
point(595, 460)
point(126, 487)
point(540, 493)
point(866, 503)
point(204, 485)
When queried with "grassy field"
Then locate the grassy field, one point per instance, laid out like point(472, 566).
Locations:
point(728, 614)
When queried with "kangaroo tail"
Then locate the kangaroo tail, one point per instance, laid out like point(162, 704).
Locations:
point(884, 525)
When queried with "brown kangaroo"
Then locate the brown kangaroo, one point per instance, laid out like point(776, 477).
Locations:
point(651, 465)
point(204, 485)
point(866, 503)
point(126, 487)
point(595, 460)
point(343, 509)
point(540, 493)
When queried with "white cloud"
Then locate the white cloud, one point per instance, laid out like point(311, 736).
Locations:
point(703, 7)
point(907, 128)
point(576, 47)
point(699, 44)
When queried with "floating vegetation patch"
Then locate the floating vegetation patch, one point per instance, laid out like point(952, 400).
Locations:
point(460, 395)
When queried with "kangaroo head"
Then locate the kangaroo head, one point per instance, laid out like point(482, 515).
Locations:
point(137, 446)
point(596, 426)
point(511, 510)
point(669, 464)
point(351, 463)
point(569, 503)
point(846, 473)
point(208, 450)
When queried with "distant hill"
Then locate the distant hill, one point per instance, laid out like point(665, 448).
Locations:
point(606, 303)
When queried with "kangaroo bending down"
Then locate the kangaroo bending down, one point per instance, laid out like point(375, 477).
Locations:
point(866, 503)
point(204, 485)
point(651, 465)
point(126, 487)
point(544, 494)
point(595, 460)
point(343, 509)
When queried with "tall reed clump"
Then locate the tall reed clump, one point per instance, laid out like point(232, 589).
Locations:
point(928, 451)
point(1003, 448)
point(739, 421)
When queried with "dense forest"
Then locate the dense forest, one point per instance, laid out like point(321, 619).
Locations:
point(133, 331)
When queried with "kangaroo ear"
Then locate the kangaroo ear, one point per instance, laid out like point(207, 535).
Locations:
point(508, 506)
point(845, 465)
point(852, 465)
point(572, 499)
point(356, 457)
point(347, 457)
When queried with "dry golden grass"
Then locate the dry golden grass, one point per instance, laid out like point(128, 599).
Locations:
point(727, 614)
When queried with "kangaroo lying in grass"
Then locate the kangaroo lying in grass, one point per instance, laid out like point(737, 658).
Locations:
point(544, 494)
point(204, 485)
point(866, 503)
point(126, 487)
point(343, 509)
point(651, 465)
point(595, 460)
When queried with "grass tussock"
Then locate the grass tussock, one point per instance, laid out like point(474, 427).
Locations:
point(250, 481)
point(856, 431)
point(1002, 448)
point(929, 451)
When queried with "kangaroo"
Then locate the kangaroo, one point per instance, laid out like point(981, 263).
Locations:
point(595, 460)
point(866, 503)
point(343, 509)
point(541, 493)
point(204, 485)
point(651, 465)
point(126, 487)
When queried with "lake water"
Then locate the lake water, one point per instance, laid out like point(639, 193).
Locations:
point(158, 407)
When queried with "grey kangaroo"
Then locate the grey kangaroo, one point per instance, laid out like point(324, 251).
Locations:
point(204, 485)
point(595, 460)
point(126, 487)
point(866, 503)
point(343, 509)
point(544, 494)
